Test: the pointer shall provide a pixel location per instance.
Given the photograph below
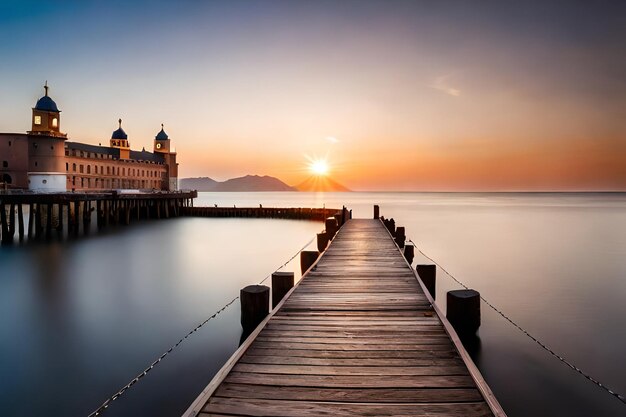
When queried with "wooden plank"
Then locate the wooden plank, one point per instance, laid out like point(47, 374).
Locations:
point(283, 408)
point(381, 395)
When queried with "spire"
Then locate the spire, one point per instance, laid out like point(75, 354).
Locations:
point(45, 87)
point(161, 126)
point(120, 122)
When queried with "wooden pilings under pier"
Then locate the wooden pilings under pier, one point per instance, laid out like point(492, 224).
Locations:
point(68, 214)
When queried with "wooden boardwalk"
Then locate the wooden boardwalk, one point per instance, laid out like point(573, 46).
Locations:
point(356, 337)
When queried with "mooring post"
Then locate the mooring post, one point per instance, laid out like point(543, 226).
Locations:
point(409, 253)
point(322, 241)
point(307, 258)
point(376, 212)
point(463, 310)
point(331, 227)
point(400, 236)
point(282, 282)
point(428, 275)
point(338, 220)
point(255, 305)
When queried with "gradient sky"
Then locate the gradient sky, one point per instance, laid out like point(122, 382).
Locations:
point(400, 95)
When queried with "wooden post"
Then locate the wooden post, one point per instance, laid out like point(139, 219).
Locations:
point(76, 217)
point(38, 214)
point(409, 253)
point(166, 203)
point(307, 258)
point(48, 221)
point(31, 218)
point(376, 212)
point(338, 220)
point(20, 219)
point(12, 221)
point(106, 213)
point(463, 310)
point(5, 226)
point(322, 241)
point(331, 227)
point(400, 236)
point(428, 274)
point(282, 282)
point(255, 304)
point(60, 217)
point(126, 212)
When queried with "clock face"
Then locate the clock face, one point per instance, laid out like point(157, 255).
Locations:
point(158, 146)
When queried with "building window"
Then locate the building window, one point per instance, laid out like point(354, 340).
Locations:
point(74, 167)
point(82, 168)
point(35, 145)
point(5, 164)
point(44, 181)
point(123, 171)
point(67, 166)
point(35, 163)
point(55, 122)
point(108, 170)
point(88, 169)
point(37, 120)
point(9, 143)
point(51, 148)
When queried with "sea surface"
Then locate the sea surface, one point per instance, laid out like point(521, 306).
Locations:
point(80, 319)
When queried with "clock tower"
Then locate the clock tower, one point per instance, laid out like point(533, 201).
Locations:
point(162, 145)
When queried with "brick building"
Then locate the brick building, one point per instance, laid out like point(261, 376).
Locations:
point(44, 160)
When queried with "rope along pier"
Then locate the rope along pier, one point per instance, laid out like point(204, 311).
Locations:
point(142, 374)
point(525, 332)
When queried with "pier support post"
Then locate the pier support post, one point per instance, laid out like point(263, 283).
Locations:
point(12, 222)
point(48, 221)
point(322, 241)
point(307, 258)
point(428, 274)
point(409, 253)
point(463, 310)
point(331, 227)
point(20, 220)
point(31, 220)
point(282, 282)
point(76, 217)
point(376, 212)
point(60, 219)
point(400, 236)
point(5, 226)
point(255, 305)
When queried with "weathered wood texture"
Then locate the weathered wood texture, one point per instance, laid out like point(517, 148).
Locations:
point(356, 337)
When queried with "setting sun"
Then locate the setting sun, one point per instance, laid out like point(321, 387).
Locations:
point(319, 167)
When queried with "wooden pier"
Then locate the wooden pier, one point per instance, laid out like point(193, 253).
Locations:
point(61, 214)
point(358, 336)
point(299, 213)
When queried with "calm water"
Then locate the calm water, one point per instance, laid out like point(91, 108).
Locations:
point(80, 319)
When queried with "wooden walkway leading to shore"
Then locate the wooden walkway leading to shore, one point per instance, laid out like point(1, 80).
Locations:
point(356, 337)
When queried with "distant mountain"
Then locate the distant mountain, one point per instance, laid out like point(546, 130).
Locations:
point(247, 183)
point(200, 184)
point(319, 183)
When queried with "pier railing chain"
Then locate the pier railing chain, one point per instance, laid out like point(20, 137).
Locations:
point(525, 332)
point(136, 379)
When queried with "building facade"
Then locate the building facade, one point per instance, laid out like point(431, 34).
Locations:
point(44, 160)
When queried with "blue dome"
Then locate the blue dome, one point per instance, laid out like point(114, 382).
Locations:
point(161, 135)
point(119, 133)
point(46, 104)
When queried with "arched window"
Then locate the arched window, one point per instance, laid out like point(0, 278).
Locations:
point(88, 169)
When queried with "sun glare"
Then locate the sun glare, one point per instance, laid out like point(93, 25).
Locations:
point(319, 167)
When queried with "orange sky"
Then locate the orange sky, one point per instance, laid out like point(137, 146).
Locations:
point(416, 96)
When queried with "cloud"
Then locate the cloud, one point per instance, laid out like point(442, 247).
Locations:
point(332, 139)
point(442, 84)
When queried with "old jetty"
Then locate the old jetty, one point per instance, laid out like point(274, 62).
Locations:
point(63, 213)
point(359, 335)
